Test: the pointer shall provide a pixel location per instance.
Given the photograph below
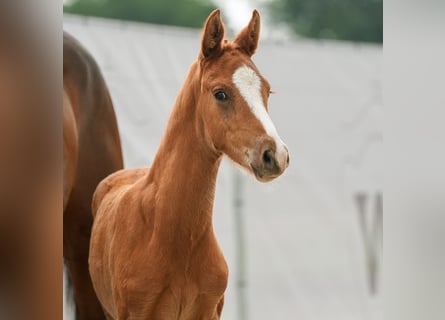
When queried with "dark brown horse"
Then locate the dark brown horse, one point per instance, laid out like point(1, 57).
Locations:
point(91, 151)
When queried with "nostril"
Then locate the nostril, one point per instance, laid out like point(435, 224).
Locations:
point(268, 158)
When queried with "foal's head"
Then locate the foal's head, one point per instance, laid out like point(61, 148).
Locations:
point(233, 100)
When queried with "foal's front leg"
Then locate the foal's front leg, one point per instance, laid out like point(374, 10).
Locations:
point(213, 312)
point(219, 307)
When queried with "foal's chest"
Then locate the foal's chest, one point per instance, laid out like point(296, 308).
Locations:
point(198, 297)
point(168, 287)
point(185, 296)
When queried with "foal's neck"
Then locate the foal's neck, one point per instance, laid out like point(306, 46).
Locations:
point(184, 173)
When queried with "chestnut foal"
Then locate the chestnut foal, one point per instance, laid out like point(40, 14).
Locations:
point(153, 251)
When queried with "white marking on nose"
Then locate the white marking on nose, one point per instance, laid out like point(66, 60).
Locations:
point(249, 85)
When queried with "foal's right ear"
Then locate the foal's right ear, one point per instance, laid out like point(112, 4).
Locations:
point(212, 36)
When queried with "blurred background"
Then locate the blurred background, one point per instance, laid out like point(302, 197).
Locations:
point(308, 245)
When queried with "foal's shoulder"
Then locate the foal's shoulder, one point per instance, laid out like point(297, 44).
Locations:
point(115, 182)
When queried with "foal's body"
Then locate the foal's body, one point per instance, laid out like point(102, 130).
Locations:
point(153, 253)
point(163, 225)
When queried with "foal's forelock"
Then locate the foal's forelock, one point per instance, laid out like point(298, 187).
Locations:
point(249, 84)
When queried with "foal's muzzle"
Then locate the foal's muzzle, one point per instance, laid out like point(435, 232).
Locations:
point(269, 160)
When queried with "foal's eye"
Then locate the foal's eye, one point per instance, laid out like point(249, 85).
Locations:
point(220, 95)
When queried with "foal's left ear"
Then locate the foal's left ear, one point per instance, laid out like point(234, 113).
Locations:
point(248, 38)
point(212, 35)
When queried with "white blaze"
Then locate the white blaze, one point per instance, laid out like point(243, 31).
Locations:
point(249, 86)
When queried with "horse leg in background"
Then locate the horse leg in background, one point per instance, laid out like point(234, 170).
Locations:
point(97, 158)
point(99, 155)
point(76, 243)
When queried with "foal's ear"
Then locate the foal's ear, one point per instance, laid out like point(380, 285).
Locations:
point(248, 38)
point(212, 36)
